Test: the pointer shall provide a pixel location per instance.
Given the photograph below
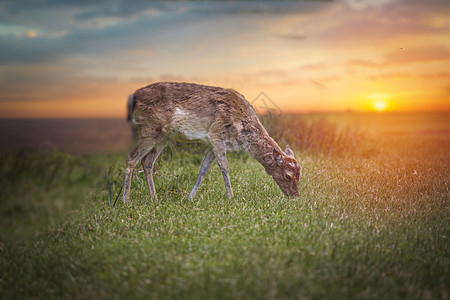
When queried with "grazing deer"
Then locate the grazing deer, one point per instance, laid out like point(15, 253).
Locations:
point(220, 118)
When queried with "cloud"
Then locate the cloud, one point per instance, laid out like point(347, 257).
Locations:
point(363, 63)
point(362, 4)
point(257, 7)
point(409, 75)
point(417, 54)
point(71, 28)
point(120, 9)
point(22, 49)
point(374, 25)
point(35, 12)
point(79, 41)
point(44, 82)
point(406, 56)
point(296, 37)
point(314, 67)
point(67, 28)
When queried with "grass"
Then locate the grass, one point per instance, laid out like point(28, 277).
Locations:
point(372, 225)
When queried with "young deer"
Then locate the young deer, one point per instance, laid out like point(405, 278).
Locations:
point(221, 118)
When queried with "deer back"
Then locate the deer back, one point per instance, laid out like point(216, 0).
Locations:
point(189, 112)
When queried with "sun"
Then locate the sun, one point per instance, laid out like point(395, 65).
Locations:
point(380, 105)
point(379, 101)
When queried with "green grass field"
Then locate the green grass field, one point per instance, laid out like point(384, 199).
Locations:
point(372, 222)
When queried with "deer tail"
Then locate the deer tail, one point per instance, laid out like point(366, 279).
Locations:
point(130, 105)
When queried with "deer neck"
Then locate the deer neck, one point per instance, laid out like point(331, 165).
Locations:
point(260, 144)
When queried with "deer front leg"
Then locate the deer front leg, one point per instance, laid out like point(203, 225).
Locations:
point(206, 165)
point(149, 162)
point(221, 156)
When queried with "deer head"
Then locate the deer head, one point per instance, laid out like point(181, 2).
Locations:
point(284, 169)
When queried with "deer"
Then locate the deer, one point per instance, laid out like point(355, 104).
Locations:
point(221, 118)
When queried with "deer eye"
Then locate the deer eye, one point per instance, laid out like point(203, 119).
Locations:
point(287, 177)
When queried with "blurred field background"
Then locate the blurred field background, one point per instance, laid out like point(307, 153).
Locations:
point(322, 132)
point(372, 221)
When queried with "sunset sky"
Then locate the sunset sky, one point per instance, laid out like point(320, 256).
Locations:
point(83, 58)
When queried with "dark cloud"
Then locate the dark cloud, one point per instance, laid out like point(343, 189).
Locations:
point(23, 49)
point(258, 7)
point(14, 12)
point(91, 41)
point(45, 13)
point(120, 9)
point(67, 28)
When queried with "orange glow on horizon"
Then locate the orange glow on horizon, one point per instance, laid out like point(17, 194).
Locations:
point(63, 109)
point(116, 108)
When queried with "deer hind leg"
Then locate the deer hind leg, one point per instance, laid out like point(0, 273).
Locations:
point(221, 157)
point(206, 165)
point(143, 147)
point(149, 162)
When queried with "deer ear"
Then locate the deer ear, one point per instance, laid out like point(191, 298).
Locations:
point(277, 156)
point(289, 151)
